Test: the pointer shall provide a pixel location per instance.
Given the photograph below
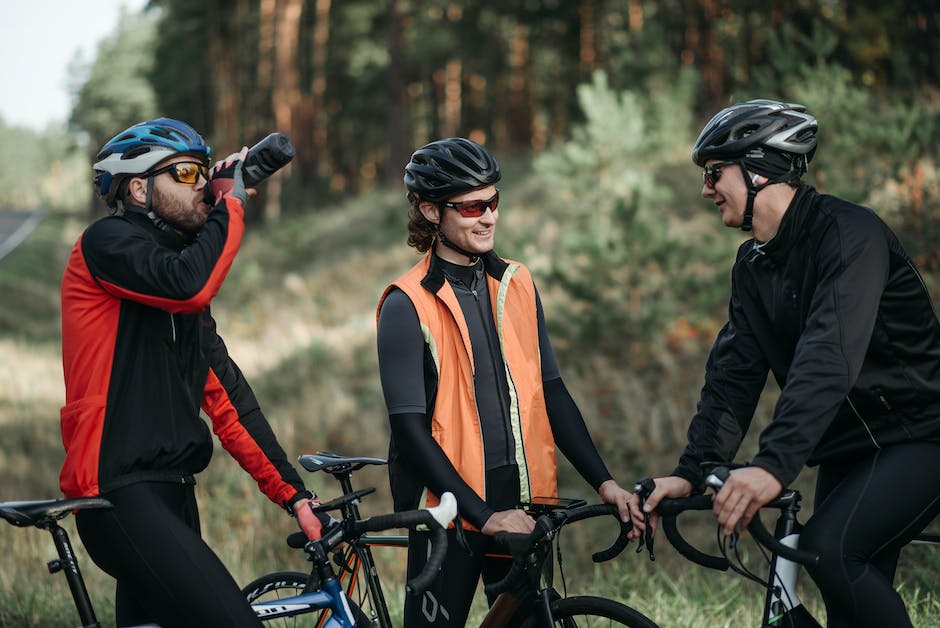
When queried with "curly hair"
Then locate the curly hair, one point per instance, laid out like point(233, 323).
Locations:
point(421, 231)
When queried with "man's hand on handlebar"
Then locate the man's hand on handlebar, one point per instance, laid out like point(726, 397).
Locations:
point(744, 493)
point(313, 524)
point(671, 486)
point(628, 505)
point(515, 520)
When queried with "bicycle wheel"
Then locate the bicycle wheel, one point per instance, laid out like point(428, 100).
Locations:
point(588, 611)
point(282, 584)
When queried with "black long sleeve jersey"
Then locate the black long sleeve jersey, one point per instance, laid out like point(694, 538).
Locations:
point(834, 307)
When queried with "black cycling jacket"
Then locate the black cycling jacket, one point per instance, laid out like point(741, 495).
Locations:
point(836, 310)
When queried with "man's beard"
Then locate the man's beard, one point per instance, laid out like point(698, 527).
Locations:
point(182, 216)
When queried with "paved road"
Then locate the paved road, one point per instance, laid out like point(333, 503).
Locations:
point(16, 227)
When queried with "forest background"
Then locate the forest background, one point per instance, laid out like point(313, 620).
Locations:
point(590, 105)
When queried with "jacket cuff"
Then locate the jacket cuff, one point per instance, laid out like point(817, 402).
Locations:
point(304, 494)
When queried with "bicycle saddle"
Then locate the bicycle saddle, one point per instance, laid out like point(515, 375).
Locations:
point(34, 513)
point(332, 463)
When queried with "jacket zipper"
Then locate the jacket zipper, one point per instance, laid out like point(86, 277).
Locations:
point(858, 414)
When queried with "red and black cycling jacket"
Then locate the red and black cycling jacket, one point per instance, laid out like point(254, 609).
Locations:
point(141, 356)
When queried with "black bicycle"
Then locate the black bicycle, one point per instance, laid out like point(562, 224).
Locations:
point(527, 589)
point(782, 605)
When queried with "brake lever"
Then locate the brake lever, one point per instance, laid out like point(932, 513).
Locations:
point(461, 537)
point(644, 488)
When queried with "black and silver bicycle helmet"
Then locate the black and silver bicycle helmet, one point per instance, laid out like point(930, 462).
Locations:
point(767, 137)
point(448, 167)
point(746, 127)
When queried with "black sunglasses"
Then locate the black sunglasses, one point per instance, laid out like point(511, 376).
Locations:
point(712, 173)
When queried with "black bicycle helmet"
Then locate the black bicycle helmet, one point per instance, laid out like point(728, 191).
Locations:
point(448, 167)
point(747, 127)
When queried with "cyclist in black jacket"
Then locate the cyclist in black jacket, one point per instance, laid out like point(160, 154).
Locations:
point(824, 297)
point(141, 356)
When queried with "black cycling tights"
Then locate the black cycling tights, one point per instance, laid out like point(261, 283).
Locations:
point(865, 512)
point(447, 602)
point(166, 574)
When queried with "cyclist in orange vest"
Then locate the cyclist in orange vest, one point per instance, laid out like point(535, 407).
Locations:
point(475, 400)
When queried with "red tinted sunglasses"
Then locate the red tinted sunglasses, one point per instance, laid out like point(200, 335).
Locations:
point(474, 209)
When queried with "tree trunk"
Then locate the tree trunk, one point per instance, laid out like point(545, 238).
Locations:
point(285, 96)
point(315, 121)
point(397, 154)
point(227, 105)
point(520, 88)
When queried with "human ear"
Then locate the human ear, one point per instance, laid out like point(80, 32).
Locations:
point(137, 190)
point(430, 211)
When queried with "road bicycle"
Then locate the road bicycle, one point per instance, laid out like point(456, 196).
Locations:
point(528, 588)
point(528, 585)
point(327, 595)
point(782, 606)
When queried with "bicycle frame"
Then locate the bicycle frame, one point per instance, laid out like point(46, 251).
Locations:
point(781, 600)
point(330, 596)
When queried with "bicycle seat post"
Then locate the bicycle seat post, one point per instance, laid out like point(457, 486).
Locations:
point(73, 575)
point(344, 478)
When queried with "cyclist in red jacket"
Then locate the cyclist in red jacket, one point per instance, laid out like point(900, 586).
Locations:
point(141, 358)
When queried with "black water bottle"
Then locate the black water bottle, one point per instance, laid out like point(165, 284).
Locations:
point(267, 157)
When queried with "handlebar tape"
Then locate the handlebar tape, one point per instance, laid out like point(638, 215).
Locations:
point(520, 544)
point(687, 550)
point(669, 509)
point(423, 580)
point(764, 537)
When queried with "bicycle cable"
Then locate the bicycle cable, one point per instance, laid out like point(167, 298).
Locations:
point(561, 569)
point(742, 570)
point(783, 589)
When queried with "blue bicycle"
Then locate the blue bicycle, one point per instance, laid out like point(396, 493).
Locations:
point(321, 594)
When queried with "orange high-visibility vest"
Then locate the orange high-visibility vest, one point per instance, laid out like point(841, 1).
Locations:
point(455, 422)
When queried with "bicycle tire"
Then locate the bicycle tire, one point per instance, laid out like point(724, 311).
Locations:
point(589, 611)
point(281, 584)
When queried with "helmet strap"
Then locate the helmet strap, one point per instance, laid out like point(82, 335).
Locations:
point(158, 222)
point(473, 257)
point(747, 222)
point(149, 193)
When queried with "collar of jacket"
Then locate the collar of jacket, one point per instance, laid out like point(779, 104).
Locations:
point(493, 264)
point(792, 225)
point(167, 237)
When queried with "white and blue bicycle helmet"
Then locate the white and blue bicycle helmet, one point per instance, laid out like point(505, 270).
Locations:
point(138, 149)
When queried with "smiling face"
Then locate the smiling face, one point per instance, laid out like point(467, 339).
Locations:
point(729, 192)
point(474, 235)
